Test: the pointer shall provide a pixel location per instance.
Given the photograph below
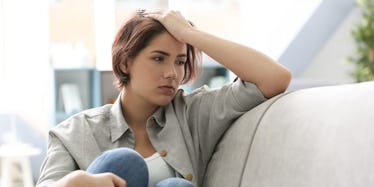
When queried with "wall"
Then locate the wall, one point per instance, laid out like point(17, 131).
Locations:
point(2, 43)
point(271, 26)
point(72, 22)
point(330, 65)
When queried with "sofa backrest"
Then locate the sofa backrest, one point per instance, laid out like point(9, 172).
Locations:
point(313, 137)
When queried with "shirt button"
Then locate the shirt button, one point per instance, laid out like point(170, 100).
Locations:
point(152, 122)
point(163, 153)
point(189, 176)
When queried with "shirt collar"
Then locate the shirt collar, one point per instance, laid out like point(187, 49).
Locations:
point(118, 124)
point(159, 116)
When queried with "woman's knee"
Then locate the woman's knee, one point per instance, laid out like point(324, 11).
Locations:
point(174, 182)
point(124, 162)
point(120, 157)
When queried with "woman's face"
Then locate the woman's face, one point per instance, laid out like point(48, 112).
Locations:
point(157, 71)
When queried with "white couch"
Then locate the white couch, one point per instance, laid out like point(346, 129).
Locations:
point(321, 136)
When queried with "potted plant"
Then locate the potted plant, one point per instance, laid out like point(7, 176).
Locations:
point(363, 35)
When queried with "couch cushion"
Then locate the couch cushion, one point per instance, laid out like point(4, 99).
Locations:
point(315, 137)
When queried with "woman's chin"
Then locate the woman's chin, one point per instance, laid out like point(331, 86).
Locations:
point(164, 101)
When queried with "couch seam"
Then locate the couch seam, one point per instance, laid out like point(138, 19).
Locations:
point(255, 132)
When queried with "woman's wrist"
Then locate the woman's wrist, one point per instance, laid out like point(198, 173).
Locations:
point(191, 35)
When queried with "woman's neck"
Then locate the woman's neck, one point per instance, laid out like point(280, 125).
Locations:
point(136, 110)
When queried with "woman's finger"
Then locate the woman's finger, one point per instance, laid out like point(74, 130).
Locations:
point(118, 181)
point(152, 15)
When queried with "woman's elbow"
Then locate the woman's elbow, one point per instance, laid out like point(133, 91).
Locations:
point(285, 80)
point(277, 84)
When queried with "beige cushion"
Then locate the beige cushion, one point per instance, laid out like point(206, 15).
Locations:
point(314, 137)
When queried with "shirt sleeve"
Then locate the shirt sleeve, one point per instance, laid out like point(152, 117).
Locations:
point(210, 112)
point(57, 163)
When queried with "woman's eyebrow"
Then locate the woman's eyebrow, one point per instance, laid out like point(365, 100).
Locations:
point(167, 54)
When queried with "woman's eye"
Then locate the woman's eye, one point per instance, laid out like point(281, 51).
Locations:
point(158, 59)
point(181, 62)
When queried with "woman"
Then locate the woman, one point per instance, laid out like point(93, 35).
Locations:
point(154, 133)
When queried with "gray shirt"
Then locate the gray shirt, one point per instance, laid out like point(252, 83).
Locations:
point(185, 131)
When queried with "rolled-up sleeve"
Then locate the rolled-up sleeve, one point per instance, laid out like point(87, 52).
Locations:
point(247, 95)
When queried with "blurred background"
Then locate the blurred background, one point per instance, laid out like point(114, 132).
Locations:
point(55, 55)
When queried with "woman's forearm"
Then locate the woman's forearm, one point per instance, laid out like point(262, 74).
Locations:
point(247, 63)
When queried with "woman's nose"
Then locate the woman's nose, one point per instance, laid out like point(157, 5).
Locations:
point(171, 72)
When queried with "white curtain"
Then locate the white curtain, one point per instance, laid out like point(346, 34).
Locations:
point(25, 80)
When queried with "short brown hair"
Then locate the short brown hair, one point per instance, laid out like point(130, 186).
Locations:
point(134, 36)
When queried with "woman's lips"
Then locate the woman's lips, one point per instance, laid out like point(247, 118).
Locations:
point(167, 89)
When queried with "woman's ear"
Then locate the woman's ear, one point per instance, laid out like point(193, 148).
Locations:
point(123, 67)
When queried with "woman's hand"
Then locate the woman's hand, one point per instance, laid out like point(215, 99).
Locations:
point(83, 179)
point(173, 21)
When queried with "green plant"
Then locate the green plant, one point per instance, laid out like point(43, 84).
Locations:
point(363, 35)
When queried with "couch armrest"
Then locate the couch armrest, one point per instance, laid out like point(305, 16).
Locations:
point(321, 136)
point(226, 166)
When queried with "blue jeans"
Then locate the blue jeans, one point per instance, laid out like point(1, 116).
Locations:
point(130, 166)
